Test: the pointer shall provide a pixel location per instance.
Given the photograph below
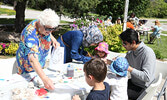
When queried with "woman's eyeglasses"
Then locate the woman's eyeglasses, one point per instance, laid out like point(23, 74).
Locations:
point(49, 29)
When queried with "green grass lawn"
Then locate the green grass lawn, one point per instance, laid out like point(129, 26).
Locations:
point(164, 32)
point(160, 48)
point(163, 21)
point(7, 11)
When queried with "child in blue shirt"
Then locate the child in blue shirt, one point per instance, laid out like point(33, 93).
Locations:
point(95, 73)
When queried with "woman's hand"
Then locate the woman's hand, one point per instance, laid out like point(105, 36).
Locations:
point(56, 44)
point(37, 67)
point(48, 83)
point(54, 41)
point(76, 97)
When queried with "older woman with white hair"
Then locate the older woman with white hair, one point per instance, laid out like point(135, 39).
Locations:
point(36, 39)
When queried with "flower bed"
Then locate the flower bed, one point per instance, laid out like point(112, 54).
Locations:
point(8, 48)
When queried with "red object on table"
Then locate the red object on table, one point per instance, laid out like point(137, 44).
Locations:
point(41, 92)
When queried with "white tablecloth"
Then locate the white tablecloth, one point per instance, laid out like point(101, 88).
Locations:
point(65, 87)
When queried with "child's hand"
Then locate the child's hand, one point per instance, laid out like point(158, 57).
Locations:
point(109, 61)
point(105, 60)
point(76, 97)
point(115, 58)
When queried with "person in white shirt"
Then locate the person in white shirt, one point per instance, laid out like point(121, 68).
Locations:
point(118, 79)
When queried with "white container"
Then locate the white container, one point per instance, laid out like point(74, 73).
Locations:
point(70, 71)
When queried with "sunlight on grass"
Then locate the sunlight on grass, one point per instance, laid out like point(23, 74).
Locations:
point(7, 11)
point(161, 47)
point(164, 32)
point(163, 21)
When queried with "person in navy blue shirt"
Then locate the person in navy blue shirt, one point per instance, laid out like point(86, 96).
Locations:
point(95, 72)
point(75, 41)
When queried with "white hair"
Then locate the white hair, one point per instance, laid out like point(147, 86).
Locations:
point(49, 17)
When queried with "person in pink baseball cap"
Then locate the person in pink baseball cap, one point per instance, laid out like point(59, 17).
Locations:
point(101, 50)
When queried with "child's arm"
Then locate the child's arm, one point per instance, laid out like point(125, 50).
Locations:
point(107, 61)
point(76, 97)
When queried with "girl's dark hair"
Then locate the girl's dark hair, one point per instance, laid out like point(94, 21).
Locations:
point(130, 35)
point(97, 68)
point(95, 52)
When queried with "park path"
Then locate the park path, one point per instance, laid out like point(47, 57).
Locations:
point(29, 14)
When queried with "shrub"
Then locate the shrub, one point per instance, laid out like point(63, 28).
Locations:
point(79, 23)
point(8, 48)
point(158, 54)
point(111, 36)
point(1, 48)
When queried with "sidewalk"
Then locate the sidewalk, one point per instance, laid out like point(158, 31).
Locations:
point(30, 14)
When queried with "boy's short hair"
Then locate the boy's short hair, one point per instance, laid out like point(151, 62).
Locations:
point(130, 35)
point(97, 68)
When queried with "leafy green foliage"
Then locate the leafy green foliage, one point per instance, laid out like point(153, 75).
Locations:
point(115, 8)
point(80, 8)
point(158, 54)
point(37, 4)
point(111, 36)
point(157, 8)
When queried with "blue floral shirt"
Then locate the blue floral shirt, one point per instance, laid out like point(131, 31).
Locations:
point(31, 43)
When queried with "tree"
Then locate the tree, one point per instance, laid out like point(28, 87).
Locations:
point(115, 8)
point(80, 8)
point(157, 8)
point(20, 15)
point(20, 7)
point(112, 8)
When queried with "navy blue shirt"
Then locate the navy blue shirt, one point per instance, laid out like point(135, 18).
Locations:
point(100, 94)
point(74, 50)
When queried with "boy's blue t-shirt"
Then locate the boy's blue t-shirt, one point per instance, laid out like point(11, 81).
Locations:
point(100, 94)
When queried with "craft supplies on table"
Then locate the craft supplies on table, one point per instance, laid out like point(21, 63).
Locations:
point(65, 87)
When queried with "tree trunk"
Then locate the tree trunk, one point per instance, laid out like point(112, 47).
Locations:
point(20, 15)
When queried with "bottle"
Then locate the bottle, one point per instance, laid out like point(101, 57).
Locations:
point(70, 71)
